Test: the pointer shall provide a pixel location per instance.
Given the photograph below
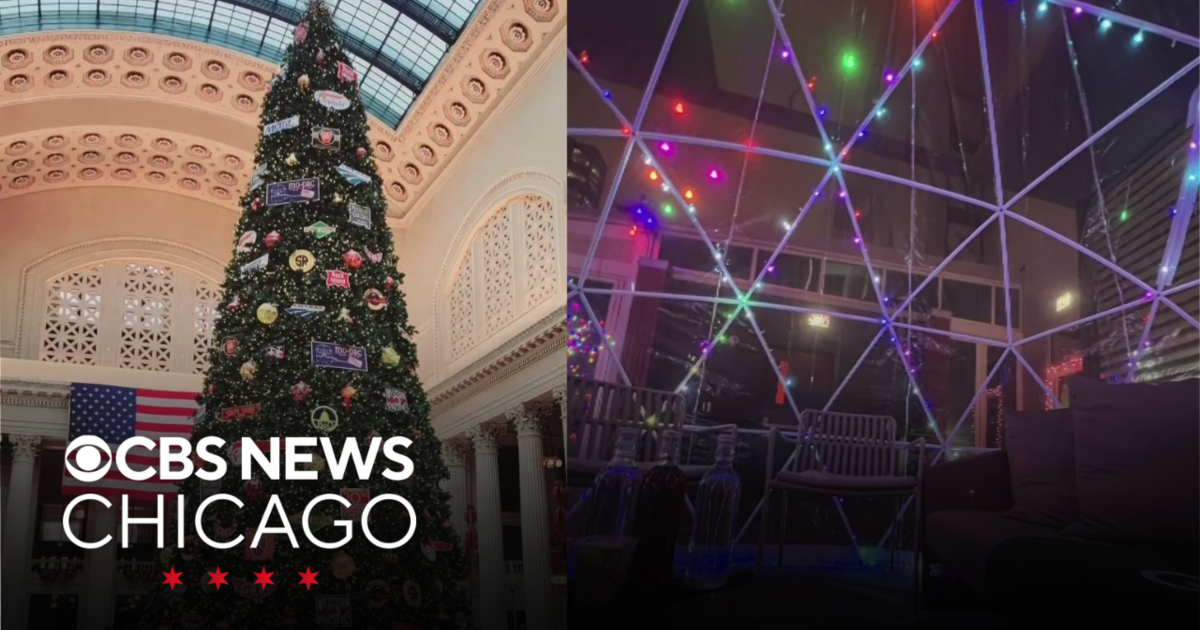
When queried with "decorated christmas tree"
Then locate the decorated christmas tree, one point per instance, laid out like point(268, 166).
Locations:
point(313, 341)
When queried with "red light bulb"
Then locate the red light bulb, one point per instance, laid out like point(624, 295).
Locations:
point(583, 57)
point(679, 108)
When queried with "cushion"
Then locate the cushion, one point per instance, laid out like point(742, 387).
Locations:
point(1137, 461)
point(964, 539)
point(1041, 464)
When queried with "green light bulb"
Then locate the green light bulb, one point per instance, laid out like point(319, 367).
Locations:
point(1124, 216)
point(667, 210)
point(849, 62)
point(1105, 24)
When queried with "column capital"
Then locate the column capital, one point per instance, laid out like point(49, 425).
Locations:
point(25, 447)
point(560, 396)
point(454, 451)
point(528, 421)
point(484, 435)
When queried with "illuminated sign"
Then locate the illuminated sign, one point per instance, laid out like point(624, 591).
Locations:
point(1063, 302)
point(818, 320)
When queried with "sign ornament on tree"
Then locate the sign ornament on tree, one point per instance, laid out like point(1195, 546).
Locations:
point(359, 216)
point(337, 278)
point(324, 419)
point(350, 175)
point(320, 229)
point(281, 125)
point(302, 260)
point(332, 100)
point(258, 264)
point(245, 241)
point(326, 138)
point(304, 312)
point(395, 399)
point(294, 191)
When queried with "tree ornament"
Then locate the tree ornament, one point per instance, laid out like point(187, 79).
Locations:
point(292, 160)
point(344, 316)
point(337, 198)
point(275, 352)
point(390, 357)
point(301, 32)
point(353, 259)
point(234, 304)
point(300, 391)
point(389, 283)
point(320, 57)
point(323, 419)
point(252, 489)
point(372, 436)
point(303, 81)
point(342, 565)
point(254, 204)
point(412, 593)
point(348, 393)
point(212, 390)
point(272, 239)
point(267, 313)
point(375, 300)
point(248, 370)
point(377, 593)
point(317, 464)
point(302, 260)
point(360, 152)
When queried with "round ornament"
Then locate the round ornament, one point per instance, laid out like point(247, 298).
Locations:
point(412, 593)
point(303, 82)
point(342, 565)
point(360, 152)
point(317, 464)
point(389, 283)
point(300, 391)
point(348, 393)
point(352, 259)
point(291, 160)
point(252, 489)
point(248, 370)
point(272, 239)
point(302, 260)
point(378, 593)
point(390, 357)
point(324, 419)
point(254, 204)
point(267, 313)
point(375, 300)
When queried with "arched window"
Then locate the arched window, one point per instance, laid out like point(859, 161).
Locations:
point(133, 314)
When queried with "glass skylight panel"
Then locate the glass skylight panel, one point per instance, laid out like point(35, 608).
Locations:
point(377, 32)
point(279, 35)
point(192, 12)
point(367, 21)
point(414, 46)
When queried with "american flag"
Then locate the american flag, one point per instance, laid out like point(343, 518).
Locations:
point(115, 414)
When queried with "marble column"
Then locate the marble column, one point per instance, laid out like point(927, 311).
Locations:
point(18, 530)
point(535, 519)
point(454, 451)
point(493, 612)
point(98, 594)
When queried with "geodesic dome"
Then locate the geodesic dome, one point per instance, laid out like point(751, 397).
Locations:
point(936, 210)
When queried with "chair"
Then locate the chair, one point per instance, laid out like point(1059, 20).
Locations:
point(845, 455)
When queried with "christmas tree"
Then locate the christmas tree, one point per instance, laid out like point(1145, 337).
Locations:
point(314, 342)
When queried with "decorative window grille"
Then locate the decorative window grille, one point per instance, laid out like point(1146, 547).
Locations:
point(133, 314)
point(511, 266)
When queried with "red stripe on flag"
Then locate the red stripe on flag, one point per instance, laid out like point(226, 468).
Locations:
point(156, 427)
point(182, 412)
point(159, 393)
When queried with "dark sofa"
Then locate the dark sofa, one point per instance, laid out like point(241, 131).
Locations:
point(1089, 514)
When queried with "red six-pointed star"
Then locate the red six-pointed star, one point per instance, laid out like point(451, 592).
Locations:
point(308, 578)
point(172, 578)
point(263, 578)
point(218, 578)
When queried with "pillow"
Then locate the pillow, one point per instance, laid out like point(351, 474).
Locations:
point(1137, 461)
point(1041, 464)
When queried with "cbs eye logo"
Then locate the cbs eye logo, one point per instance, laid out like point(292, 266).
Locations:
point(92, 458)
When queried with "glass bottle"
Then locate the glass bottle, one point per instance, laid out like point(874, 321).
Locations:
point(713, 528)
point(602, 552)
point(660, 506)
point(614, 492)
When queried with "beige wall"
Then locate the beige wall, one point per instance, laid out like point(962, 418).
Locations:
point(521, 152)
point(103, 218)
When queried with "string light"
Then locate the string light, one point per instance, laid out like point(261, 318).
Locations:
point(917, 63)
point(1138, 38)
point(1043, 7)
point(714, 175)
point(608, 95)
point(653, 176)
point(889, 76)
point(785, 54)
point(687, 194)
point(668, 210)
point(1105, 24)
point(812, 84)
point(849, 62)
point(882, 111)
point(679, 107)
point(584, 58)
point(665, 147)
point(1124, 216)
point(823, 112)
point(1078, 11)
